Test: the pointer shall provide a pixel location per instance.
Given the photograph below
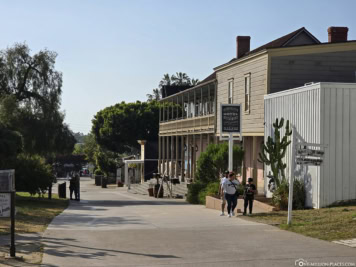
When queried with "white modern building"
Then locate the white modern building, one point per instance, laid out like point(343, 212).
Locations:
point(325, 114)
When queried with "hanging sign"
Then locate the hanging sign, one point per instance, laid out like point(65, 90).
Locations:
point(5, 204)
point(230, 118)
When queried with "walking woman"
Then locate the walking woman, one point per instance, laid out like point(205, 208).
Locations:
point(230, 190)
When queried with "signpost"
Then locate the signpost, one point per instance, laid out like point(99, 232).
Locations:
point(230, 123)
point(302, 154)
point(7, 202)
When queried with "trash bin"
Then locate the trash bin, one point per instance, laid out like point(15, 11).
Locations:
point(98, 180)
point(104, 182)
point(62, 192)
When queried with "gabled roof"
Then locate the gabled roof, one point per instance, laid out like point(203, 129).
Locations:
point(211, 77)
point(280, 42)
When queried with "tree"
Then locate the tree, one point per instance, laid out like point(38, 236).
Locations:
point(33, 175)
point(214, 161)
point(30, 96)
point(10, 146)
point(156, 95)
point(89, 148)
point(274, 151)
point(31, 79)
point(178, 79)
point(117, 128)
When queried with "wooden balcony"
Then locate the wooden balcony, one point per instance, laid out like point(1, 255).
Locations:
point(200, 124)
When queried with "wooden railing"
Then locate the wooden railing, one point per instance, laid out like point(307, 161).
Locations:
point(201, 124)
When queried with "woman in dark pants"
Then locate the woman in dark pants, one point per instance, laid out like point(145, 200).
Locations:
point(230, 190)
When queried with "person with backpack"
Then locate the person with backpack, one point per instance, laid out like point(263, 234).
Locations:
point(230, 187)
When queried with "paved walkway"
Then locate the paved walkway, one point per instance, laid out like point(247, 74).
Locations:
point(111, 227)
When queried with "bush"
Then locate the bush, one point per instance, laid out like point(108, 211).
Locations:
point(211, 163)
point(33, 175)
point(98, 172)
point(212, 190)
point(280, 195)
point(214, 161)
point(193, 192)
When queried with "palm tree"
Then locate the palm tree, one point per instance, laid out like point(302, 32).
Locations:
point(156, 95)
point(166, 80)
point(181, 79)
point(194, 82)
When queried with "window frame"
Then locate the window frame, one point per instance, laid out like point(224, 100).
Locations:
point(247, 93)
point(230, 90)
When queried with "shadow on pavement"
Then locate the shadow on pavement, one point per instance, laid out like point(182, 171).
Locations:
point(92, 204)
point(54, 247)
point(95, 220)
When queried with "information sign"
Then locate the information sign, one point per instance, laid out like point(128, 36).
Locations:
point(230, 118)
point(5, 204)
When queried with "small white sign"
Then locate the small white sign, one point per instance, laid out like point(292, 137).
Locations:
point(5, 204)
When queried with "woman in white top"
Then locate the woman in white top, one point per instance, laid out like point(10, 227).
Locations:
point(230, 190)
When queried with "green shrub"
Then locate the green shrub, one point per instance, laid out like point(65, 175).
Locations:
point(33, 175)
point(193, 192)
point(98, 172)
point(212, 189)
point(280, 195)
point(298, 194)
point(214, 160)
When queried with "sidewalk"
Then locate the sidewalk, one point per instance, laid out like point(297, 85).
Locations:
point(110, 227)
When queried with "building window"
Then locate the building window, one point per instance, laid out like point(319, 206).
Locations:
point(247, 92)
point(230, 91)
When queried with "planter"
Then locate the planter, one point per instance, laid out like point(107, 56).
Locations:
point(155, 192)
point(150, 192)
point(104, 182)
point(98, 180)
point(120, 184)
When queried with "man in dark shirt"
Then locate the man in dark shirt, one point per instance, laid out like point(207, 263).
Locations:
point(249, 193)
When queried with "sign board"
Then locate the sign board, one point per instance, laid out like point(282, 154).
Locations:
point(5, 204)
point(7, 180)
point(230, 118)
point(309, 161)
point(310, 152)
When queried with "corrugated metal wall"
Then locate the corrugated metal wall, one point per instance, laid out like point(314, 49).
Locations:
point(338, 130)
point(321, 113)
point(302, 108)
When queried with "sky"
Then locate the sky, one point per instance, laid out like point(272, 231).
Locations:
point(111, 51)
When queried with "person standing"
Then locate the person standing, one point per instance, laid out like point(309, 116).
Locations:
point(221, 192)
point(230, 190)
point(77, 187)
point(72, 187)
point(249, 195)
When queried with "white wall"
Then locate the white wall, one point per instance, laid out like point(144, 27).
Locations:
point(338, 130)
point(322, 113)
point(302, 108)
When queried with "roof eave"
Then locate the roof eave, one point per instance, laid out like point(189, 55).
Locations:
point(245, 58)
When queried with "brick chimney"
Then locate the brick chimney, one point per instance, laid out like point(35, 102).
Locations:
point(337, 34)
point(242, 45)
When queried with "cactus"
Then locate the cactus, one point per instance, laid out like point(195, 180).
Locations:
point(274, 151)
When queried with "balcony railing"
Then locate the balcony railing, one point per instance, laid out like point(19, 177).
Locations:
point(200, 124)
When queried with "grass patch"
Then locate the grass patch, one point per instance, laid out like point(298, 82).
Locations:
point(33, 213)
point(333, 223)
